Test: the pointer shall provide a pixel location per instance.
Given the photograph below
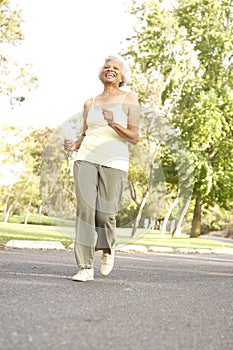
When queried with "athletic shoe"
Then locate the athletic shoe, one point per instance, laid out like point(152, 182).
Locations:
point(107, 263)
point(84, 275)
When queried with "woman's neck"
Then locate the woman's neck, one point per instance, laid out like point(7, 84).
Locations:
point(110, 90)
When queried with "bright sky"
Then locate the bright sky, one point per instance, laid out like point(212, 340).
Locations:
point(66, 42)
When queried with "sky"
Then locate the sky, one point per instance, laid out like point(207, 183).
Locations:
point(66, 43)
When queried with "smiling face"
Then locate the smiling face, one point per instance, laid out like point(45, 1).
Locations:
point(111, 73)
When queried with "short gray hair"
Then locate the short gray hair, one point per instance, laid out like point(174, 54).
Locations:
point(124, 66)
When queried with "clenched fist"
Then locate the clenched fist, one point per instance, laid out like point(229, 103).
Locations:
point(108, 116)
point(70, 145)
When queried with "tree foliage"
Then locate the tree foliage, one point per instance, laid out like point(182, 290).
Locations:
point(162, 59)
point(204, 113)
point(181, 60)
point(14, 74)
point(21, 152)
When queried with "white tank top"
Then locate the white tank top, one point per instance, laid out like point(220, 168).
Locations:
point(102, 145)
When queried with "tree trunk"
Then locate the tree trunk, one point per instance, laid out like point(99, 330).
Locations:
point(196, 222)
point(40, 209)
point(28, 210)
point(178, 226)
point(167, 216)
point(40, 212)
point(139, 214)
point(135, 225)
point(8, 211)
point(5, 219)
point(27, 214)
point(141, 205)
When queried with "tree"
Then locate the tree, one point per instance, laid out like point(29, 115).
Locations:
point(141, 181)
point(204, 113)
point(21, 152)
point(162, 59)
point(14, 75)
point(57, 186)
point(41, 168)
point(182, 67)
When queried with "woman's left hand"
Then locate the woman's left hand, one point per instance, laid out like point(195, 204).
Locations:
point(108, 116)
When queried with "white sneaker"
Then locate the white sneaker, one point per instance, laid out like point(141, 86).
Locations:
point(84, 275)
point(107, 263)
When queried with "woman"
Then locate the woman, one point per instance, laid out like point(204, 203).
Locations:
point(110, 120)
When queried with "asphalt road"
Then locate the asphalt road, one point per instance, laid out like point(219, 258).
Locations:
point(149, 301)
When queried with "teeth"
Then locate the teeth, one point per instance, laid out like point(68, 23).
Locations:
point(109, 75)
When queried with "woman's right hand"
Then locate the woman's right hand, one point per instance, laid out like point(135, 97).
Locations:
point(69, 145)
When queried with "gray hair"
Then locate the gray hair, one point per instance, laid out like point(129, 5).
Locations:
point(124, 66)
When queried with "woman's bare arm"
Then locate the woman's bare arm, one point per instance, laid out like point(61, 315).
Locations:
point(131, 133)
point(70, 145)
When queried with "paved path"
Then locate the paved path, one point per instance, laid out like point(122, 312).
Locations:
point(149, 301)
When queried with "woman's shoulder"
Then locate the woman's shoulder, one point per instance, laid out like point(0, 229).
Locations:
point(88, 103)
point(131, 98)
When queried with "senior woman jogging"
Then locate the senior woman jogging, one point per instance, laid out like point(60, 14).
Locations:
point(110, 121)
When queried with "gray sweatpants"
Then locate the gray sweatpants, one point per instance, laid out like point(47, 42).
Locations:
point(98, 195)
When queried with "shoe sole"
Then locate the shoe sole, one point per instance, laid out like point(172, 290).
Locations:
point(106, 274)
point(79, 280)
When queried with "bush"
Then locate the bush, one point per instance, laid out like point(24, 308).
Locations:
point(218, 220)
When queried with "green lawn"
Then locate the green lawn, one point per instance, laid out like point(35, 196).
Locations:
point(33, 232)
point(151, 239)
point(50, 233)
point(36, 219)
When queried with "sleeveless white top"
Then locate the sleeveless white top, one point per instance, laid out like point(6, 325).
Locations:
point(102, 145)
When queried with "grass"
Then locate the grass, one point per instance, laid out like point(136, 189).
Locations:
point(151, 239)
point(51, 233)
point(36, 219)
point(33, 232)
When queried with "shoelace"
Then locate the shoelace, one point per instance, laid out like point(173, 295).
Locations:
point(107, 258)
